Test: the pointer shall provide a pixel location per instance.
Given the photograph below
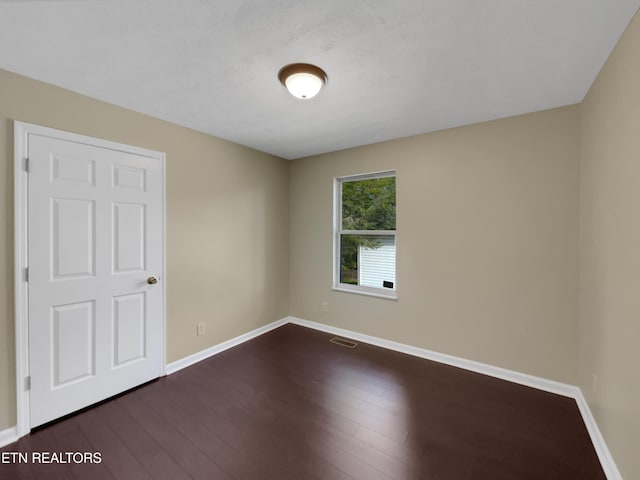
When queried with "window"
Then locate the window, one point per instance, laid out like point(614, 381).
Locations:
point(365, 234)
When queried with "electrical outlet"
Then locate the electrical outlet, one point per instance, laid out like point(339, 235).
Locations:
point(325, 307)
point(200, 329)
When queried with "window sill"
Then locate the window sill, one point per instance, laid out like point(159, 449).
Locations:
point(391, 295)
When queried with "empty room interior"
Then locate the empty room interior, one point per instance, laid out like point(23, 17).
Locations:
point(430, 269)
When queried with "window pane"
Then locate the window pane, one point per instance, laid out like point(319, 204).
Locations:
point(369, 204)
point(368, 260)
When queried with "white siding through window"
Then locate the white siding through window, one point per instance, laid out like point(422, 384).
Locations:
point(379, 264)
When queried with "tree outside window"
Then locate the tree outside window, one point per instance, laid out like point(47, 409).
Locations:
point(366, 231)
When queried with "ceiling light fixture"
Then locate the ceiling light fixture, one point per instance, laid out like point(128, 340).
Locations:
point(303, 80)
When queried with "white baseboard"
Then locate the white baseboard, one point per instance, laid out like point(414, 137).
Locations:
point(493, 371)
point(221, 347)
point(564, 389)
point(8, 436)
point(606, 459)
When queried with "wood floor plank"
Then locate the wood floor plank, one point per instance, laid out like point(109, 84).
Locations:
point(290, 405)
point(120, 461)
point(70, 438)
point(185, 453)
point(196, 426)
point(377, 459)
point(273, 438)
point(156, 461)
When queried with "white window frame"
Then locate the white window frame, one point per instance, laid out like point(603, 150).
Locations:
point(338, 231)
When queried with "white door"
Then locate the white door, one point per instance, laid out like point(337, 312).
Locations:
point(95, 247)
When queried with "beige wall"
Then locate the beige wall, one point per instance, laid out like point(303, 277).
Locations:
point(487, 265)
point(610, 250)
point(227, 221)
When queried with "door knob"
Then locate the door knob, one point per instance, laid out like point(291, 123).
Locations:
point(152, 280)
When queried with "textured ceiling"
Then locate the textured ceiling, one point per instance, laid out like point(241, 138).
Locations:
point(396, 68)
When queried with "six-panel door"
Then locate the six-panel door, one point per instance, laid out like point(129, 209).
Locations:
point(95, 237)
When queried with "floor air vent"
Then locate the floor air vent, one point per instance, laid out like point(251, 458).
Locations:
point(344, 343)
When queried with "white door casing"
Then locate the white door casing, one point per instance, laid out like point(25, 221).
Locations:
point(89, 325)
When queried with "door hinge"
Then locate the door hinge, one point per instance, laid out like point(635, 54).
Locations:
point(26, 274)
point(26, 164)
point(27, 383)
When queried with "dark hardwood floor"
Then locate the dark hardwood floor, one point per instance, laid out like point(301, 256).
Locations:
point(290, 405)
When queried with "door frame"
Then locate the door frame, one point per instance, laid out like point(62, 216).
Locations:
point(22, 131)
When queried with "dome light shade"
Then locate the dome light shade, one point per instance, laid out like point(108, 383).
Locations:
point(303, 80)
point(303, 85)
